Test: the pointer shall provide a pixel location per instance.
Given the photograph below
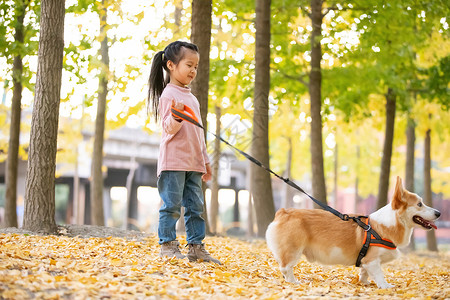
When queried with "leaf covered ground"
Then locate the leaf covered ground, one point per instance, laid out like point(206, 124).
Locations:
point(63, 267)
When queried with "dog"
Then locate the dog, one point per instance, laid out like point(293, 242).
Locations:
point(322, 237)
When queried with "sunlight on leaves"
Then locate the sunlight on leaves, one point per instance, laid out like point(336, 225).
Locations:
point(64, 267)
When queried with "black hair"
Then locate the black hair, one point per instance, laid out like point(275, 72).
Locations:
point(156, 81)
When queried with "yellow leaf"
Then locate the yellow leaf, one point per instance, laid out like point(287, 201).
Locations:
point(116, 261)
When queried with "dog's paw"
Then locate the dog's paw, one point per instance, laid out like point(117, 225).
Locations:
point(384, 285)
point(293, 280)
point(364, 282)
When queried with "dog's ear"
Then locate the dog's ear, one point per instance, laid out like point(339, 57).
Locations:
point(397, 198)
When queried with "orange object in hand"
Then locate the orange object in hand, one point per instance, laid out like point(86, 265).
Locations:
point(187, 115)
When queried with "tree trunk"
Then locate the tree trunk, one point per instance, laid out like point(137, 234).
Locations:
point(97, 213)
point(287, 198)
point(336, 174)
point(431, 235)
point(78, 202)
point(201, 36)
point(250, 212)
point(383, 186)
point(409, 168)
point(358, 157)
point(12, 161)
point(319, 190)
point(261, 181)
point(177, 17)
point(128, 220)
point(215, 176)
point(39, 212)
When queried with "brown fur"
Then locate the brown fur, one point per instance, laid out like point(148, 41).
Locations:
point(317, 230)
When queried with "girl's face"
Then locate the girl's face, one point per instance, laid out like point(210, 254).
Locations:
point(183, 73)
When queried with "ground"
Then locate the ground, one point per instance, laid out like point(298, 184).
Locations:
point(86, 231)
point(93, 262)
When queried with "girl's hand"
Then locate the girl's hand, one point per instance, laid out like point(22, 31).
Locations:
point(179, 106)
point(208, 175)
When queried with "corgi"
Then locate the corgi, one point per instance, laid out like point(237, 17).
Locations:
point(322, 237)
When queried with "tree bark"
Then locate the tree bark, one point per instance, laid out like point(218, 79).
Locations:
point(250, 212)
point(201, 36)
point(409, 167)
point(128, 218)
point(383, 185)
point(261, 181)
point(12, 161)
point(39, 212)
point(287, 197)
point(215, 176)
point(319, 190)
point(97, 213)
point(336, 174)
point(358, 158)
point(431, 235)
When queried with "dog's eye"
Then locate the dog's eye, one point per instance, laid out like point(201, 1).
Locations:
point(419, 204)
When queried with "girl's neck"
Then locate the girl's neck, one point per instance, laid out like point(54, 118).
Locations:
point(177, 83)
point(181, 87)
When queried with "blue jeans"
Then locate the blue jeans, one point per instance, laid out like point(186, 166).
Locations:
point(178, 188)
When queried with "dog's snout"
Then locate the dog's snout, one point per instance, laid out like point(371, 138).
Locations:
point(437, 213)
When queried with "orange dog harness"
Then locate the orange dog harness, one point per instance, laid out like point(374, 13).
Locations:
point(371, 238)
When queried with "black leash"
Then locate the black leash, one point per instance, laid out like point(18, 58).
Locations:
point(192, 119)
point(376, 241)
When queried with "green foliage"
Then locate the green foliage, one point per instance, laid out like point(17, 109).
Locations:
point(9, 47)
point(367, 47)
point(436, 82)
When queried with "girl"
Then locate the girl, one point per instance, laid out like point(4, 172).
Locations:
point(183, 161)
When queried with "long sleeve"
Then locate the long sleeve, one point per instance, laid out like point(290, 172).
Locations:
point(169, 124)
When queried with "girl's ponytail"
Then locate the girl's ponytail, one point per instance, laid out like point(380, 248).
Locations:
point(156, 82)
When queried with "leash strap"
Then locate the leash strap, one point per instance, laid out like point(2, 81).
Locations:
point(189, 115)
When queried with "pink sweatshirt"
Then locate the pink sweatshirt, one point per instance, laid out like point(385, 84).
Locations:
point(183, 146)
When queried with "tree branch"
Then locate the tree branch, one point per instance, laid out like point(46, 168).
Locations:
point(298, 78)
point(306, 12)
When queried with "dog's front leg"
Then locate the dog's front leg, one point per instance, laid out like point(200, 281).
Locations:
point(363, 275)
point(375, 271)
point(288, 273)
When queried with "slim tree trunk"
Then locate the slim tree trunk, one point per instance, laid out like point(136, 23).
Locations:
point(409, 168)
point(383, 186)
point(287, 199)
point(12, 161)
point(97, 213)
point(215, 176)
point(201, 36)
point(336, 174)
point(250, 214)
point(177, 16)
point(319, 190)
point(78, 202)
point(431, 235)
point(128, 218)
point(261, 182)
point(358, 158)
point(39, 212)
